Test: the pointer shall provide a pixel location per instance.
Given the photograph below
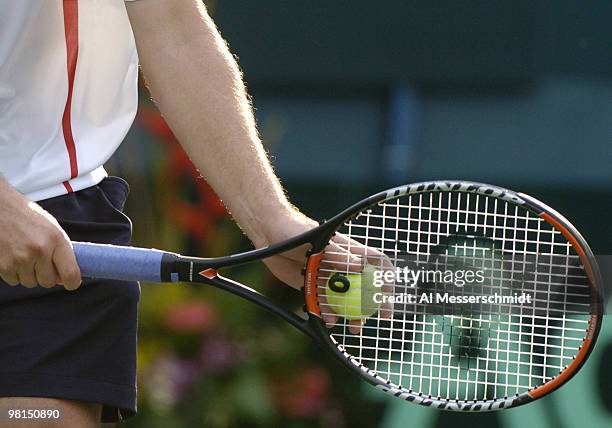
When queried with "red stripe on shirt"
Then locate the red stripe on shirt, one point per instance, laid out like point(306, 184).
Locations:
point(71, 28)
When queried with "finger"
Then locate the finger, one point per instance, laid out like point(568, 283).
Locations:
point(26, 276)
point(10, 278)
point(356, 247)
point(373, 255)
point(46, 275)
point(386, 311)
point(66, 266)
point(340, 259)
point(327, 313)
point(355, 326)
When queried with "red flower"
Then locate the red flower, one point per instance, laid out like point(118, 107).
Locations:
point(304, 396)
point(190, 317)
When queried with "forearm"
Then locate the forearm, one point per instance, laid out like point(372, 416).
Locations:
point(197, 86)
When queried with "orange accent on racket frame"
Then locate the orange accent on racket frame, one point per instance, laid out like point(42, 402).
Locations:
point(310, 284)
point(587, 344)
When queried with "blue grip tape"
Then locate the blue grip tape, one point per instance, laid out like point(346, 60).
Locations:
point(117, 262)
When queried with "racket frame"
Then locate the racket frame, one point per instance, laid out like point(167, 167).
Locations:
point(177, 268)
point(552, 217)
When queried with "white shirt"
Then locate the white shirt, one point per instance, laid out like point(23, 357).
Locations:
point(68, 92)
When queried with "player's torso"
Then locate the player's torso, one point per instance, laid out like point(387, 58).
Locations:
point(68, 82)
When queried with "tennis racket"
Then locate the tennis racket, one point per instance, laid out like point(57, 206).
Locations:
point(473, 356)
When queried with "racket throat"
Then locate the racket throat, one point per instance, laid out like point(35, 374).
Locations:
point(175, 268)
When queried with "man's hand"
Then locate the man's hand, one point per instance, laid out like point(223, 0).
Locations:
point(284, 225)
point(287, 266)
point(35, 249)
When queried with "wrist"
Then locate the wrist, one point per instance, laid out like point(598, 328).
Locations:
point(276, 223)
point(10, 198)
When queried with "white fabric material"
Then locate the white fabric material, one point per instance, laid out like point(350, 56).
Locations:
point(34, 82)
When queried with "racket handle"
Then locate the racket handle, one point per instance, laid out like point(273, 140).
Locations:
point(117, 262)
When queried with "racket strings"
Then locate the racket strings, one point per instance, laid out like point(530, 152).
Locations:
point(491, 350)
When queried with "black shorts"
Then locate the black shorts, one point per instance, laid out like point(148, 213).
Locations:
point(78, 345)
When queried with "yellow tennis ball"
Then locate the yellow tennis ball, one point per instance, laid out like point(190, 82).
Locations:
point(352, 296)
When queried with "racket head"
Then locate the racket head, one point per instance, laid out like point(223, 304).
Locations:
point(483, 361)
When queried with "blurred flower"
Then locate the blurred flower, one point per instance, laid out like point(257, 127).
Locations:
point(190, 317)
point(219, 354)
point(303, 396)
point(169, 378)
